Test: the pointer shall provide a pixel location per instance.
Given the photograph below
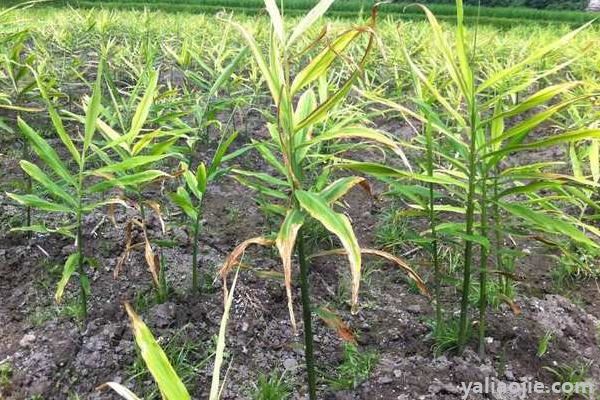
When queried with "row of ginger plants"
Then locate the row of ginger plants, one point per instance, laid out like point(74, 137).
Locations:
point(469, 125)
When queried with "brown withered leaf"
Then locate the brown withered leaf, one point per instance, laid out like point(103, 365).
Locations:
point(156, 208)
point(285, 242)
point(367, 188)
point(234, 257)
point(390, 257)
point(333, 321)
point(512, 304)
point(125, 254)
point(111, 214)
point(151, 259)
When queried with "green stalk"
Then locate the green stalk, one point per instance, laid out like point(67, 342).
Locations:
point(140, 200)
point(434, 244)
point(80, 245)
point(28, 180)
point(195, 283)
point(306, 315)
point(163, 289)
point(497, 233)
point(28, 188)
point(483, 298)
point(80, 267)
point(468, 254)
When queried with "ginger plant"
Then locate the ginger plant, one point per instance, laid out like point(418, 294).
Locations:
point(299, 187)
point(69, 192)
point(128, 157)
point(196, 184)
point(78, 194)
point(18, 91)
point(479, 116)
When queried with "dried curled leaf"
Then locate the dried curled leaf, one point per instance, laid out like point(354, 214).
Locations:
point(126, 252)
point(155, 206)
point(233, 259)
point(151, 258)
point(512, 304)
point(390, 257)
point(286, 239)
point(333, 321)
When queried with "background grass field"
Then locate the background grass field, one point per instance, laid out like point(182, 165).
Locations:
point(500, 16)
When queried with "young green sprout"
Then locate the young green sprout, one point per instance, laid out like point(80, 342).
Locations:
point(191, 196)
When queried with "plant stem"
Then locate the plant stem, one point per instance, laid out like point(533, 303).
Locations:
point(468, 254)
point(80, 267)
point(163, 289)
point(307, 315)
point(83, 283)
point(140, 200)
point(483, 298)
point(434, 246)
point(497, 232)
point(195, 283)
point(28, 188)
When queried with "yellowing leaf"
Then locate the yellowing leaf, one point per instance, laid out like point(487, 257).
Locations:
point(143, 108)
point(321, 63)
point(309, 19)
point(339, 225)
point(390, 257)
point(156, 360)
point(276, 20)
point(286, 239)
point(68, 270)
point(233, 259)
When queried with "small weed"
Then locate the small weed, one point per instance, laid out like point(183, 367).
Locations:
point(573, 266)
point(42, 314)
point(392, 232)
point(233, 214)
point(498, 292)
point(451, 258)
point(544, 344)
point(354, 369)
point(445, 336)
point(73, 310)
point(143, 300)
point(370, 268)
point(572, 374)
point(271, 387)
point(6, 373)
point(317, 237)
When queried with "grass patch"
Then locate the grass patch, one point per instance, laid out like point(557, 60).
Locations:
point(502, 16)
point(355, 368)
point(271, 387)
